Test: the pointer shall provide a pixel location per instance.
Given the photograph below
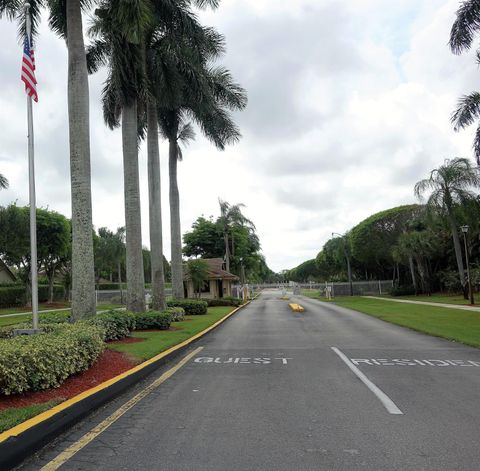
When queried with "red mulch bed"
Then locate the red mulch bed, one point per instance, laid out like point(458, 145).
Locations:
point(109, 364)
point(127, 340)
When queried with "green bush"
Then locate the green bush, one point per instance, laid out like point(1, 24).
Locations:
point(58, 293)
point(43, 361)
point(116, 324)
point(192, 307)
point(54, 317)
point(12, 296)
point(110, 286)
point(402, 291)
point(226, 301)
point(153, 320)
point(176, 313)
point(16, 295)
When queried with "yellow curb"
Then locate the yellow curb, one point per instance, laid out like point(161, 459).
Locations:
point(296, 307)
point(20, 428)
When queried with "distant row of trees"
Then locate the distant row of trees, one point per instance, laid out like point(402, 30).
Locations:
point(233, 237)
point(416, 245)
point(55, 248)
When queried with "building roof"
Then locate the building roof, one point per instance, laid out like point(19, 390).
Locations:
point(4, 268)
point(215, 270)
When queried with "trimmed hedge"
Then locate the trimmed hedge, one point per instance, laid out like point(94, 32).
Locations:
point(226, 301)
point(192, 307)
point(43, 361)
point(402, 291)
point(176, 313)
point(16, 295)
point(116, 325)
point(153, 320)
point(12, 296)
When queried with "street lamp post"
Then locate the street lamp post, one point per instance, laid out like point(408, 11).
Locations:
point(347, 257)
point(470, 288)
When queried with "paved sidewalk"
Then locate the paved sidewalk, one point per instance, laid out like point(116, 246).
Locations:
point(55, 310)
point(426, 303)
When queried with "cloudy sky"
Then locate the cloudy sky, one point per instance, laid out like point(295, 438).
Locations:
point(349, 105)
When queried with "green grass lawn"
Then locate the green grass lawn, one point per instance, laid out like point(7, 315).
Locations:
point(14, 416)
point(41, 307)
point(459, 325)
point(156, 342)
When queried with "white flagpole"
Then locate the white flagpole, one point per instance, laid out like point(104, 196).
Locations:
point(31, 178)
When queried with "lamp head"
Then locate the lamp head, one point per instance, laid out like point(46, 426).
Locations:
point(464, 229)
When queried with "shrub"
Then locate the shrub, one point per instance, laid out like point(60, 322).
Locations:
point(402, 291)
point(36, 362)
point(176, 313)
point(110, 286)
point(192, 307)
point(153, 320)
point(116, 324)
point(7, 331)
point(54, 317)
point(12, 296)
point(58, 293)
point(226, 301)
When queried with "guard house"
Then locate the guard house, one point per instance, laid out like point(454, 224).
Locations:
point(6, 275)
point(219, 282)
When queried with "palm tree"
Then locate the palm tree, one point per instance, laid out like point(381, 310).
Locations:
point(3, 182)
point(161, 55)
point(67, 16)
point(205, 96)
point(462, 35)
point(450, 186)
point(231, 215)
point(117, 28)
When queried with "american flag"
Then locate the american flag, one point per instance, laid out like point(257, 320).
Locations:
point(28, 69)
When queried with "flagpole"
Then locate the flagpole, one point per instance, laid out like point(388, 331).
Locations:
point(31, 178)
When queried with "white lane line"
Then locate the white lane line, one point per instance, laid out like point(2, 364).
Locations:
point(384, 399)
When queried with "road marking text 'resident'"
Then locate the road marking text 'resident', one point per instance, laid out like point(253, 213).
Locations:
point(384, 399)
point(407, 362)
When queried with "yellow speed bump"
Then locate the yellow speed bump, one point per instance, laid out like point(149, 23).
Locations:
point(296, 307)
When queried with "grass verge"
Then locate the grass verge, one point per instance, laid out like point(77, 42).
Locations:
point(436, 298)
point(458, 325)
point(14, 416)
point(156, 342)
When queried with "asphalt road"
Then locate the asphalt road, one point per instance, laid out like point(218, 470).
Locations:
point(268, 392)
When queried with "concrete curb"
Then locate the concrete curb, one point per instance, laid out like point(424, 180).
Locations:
point(17, 443)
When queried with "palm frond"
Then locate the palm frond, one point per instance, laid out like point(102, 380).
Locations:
point(465, 26)
point(468, 110)
point(57, 18)
point(97, 55)
point(3, 182)
point(476, 145)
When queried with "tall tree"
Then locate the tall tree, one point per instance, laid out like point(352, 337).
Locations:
point(231, 215)
point(118, 29)
point(3, 182)
point(451, 185)
point(462, 34)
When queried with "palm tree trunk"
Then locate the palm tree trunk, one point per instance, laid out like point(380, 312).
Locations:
point(83, 277)
point(227, 251)
point(412, 272)
point(175, 230)
point(155, 209)
point(133, 221)
point(457, 246)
